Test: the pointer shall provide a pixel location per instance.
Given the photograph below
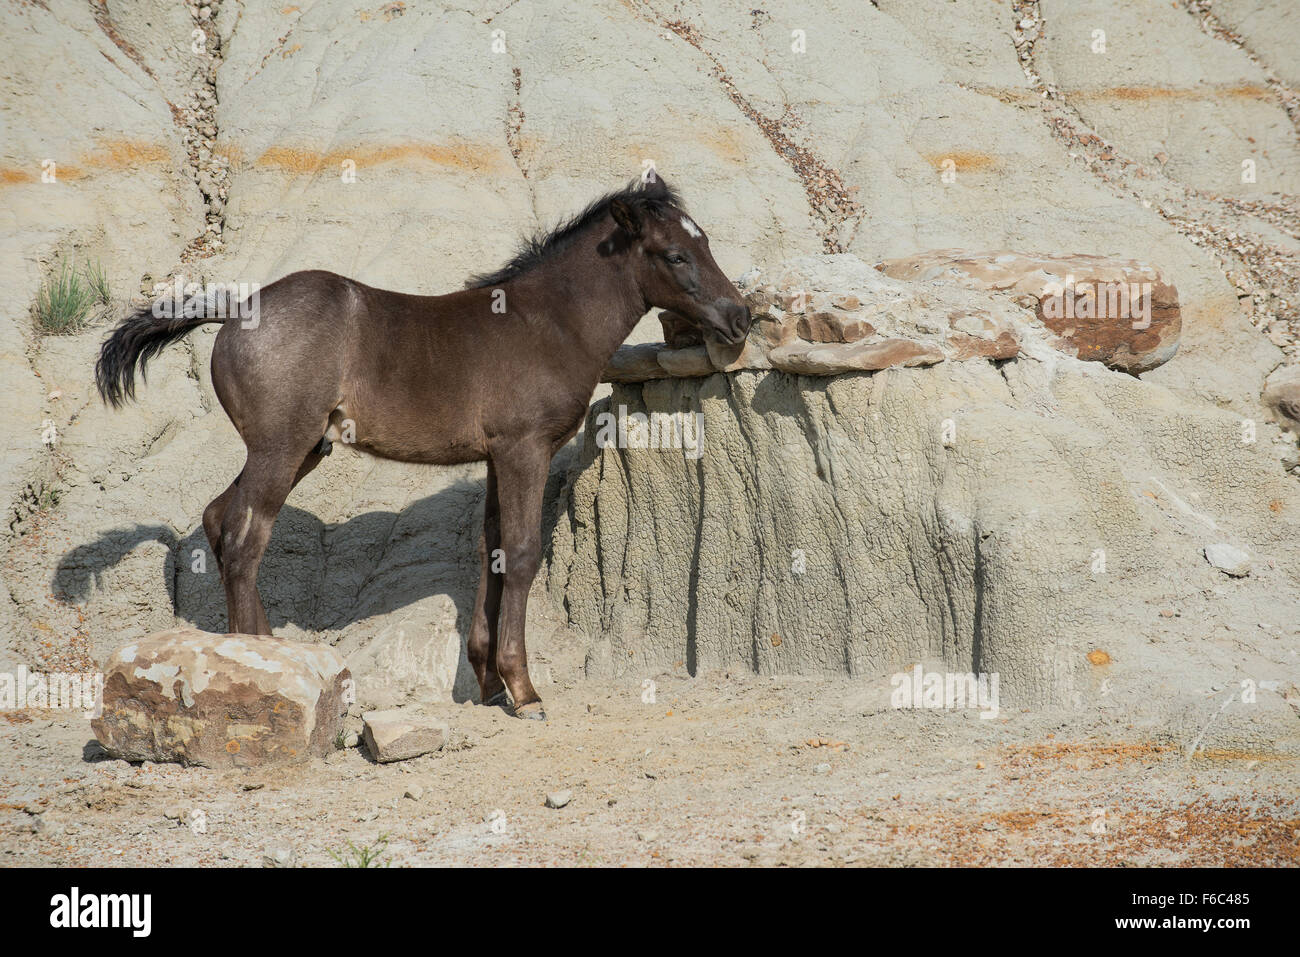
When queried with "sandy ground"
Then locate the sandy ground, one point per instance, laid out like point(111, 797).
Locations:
point(731, 770)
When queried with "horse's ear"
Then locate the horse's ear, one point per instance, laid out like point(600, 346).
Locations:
point(627, 216)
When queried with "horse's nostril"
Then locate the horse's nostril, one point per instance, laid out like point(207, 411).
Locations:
point(741, 321)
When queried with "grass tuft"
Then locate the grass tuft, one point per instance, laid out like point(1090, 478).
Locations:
point(66, 299)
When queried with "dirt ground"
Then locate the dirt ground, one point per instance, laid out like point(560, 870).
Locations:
point(722, 769)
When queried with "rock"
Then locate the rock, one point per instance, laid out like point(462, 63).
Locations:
point(833, 325)
point(1282, 397)
point(558, 799)
point(826, 315)
point(807, 358)
point(636, 364)
point(126, 197)
point(397, 736)
point(686, 363)
point(415, 792)
point(1228, 559)
point(647, 835)
point(1120, 312)
point(279, 855)
point(221, 700)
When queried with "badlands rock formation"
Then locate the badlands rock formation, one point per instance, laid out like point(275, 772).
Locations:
point(1027, 514)
point(409, 143)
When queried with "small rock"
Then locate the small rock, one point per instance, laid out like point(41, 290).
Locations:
point(822, 769)
point(415, 792)
point(1228, 559)
point(395, 736)
point(647, 835)
point(558, 799)
point(279, 855)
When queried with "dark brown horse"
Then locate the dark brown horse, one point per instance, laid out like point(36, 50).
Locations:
point(502, 370)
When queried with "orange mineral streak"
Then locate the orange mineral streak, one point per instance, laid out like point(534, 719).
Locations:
point(1243, 91)
point(964, 161)
point(109, 156)
point(464, 156)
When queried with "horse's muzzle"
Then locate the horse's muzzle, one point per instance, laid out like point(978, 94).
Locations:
point(736, 320)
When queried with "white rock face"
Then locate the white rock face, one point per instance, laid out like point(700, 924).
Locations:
point(1001, 520)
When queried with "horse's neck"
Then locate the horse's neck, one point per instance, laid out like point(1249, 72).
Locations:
point(592, 299)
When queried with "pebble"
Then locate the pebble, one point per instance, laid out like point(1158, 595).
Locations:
point(558, 799)
point(1228, 559)
point(414, 792)
point(647, 835)
point(279, 855)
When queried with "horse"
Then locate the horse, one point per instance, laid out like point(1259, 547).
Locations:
point(500, 371)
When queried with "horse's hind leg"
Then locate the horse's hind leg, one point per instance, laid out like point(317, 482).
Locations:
point(481, 646)
point(212, 516)
point(258, 495)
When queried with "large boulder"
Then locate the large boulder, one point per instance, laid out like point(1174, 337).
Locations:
point(222, 700)
point(1123, 313)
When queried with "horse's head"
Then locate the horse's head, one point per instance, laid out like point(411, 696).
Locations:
point(673, 266)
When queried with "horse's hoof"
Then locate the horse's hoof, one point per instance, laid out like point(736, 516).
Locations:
point(531, 712)
point(498, 700)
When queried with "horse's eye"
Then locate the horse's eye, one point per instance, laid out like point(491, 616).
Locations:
point(674, 259)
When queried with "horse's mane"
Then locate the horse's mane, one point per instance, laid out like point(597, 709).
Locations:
point(652, 197)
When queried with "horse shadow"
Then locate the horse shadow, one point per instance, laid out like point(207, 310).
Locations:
point(316, 576)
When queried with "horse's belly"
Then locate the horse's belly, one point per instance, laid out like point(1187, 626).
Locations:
point(390, 437)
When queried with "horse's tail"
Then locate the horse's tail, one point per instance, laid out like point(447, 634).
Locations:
point(144, 334)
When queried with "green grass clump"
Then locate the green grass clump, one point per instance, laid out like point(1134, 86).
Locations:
point(365, 856)
point(66, 298)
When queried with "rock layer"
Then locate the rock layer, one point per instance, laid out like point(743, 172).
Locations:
point(1119, 312)
point(824, 315)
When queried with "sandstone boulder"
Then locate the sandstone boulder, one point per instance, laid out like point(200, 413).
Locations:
point(1120, 312)
point(222, 700)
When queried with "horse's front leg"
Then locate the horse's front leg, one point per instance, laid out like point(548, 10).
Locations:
point(481, 647)
point(521, 468)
